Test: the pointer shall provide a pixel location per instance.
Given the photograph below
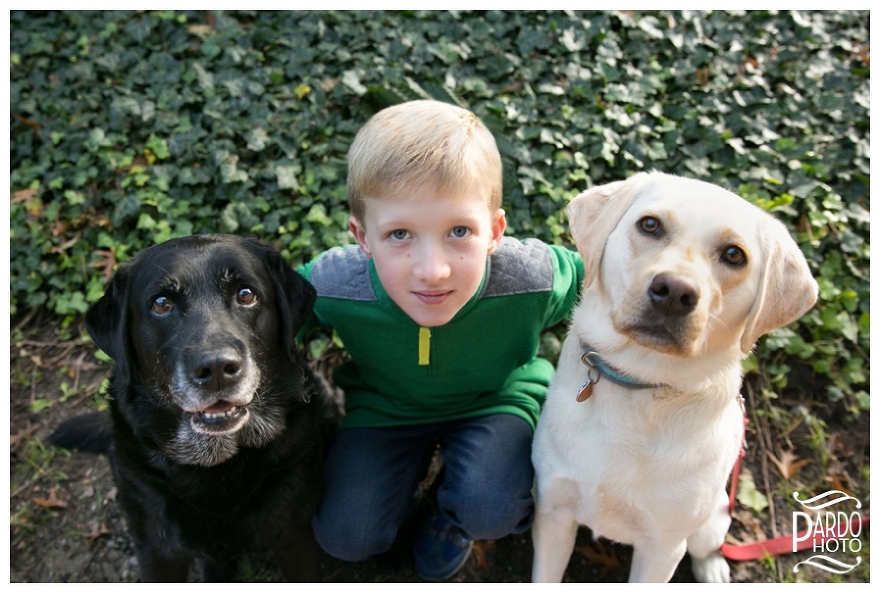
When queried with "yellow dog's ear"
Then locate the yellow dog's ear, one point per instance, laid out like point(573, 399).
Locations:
point(594, 214)
point(787, 289)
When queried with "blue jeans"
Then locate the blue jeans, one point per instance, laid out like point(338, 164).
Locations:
point(371, 480)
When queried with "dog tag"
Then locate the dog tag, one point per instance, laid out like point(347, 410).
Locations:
point(586, 391)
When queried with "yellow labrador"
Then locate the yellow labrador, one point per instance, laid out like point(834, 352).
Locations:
point(643, 419)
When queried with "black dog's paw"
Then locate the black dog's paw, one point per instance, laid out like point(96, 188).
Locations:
point(92, 433)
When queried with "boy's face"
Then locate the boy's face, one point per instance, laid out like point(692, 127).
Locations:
point(430, 253)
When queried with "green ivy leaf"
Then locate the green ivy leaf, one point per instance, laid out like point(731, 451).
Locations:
point(748, 494)
point(158, 147)
point(39, 405)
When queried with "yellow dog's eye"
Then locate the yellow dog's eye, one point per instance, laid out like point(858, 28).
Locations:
point(733, 255)
point(649, 225)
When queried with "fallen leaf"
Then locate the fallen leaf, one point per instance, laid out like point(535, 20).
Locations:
point(837, 447)
point(95, 531)
point(788, 463)
point(60, 229)
point(479, 551)
point(513, 86)
point(23, 195)
point(703, 75)
point(57, 228)
point(837, 483)
point(106, 260)
point(28, 122)
point(606, 560)
point(752, 529)
point(729, 539)
point(53, 502)
point(864, 54)
point(201, 30)
point(111, 495)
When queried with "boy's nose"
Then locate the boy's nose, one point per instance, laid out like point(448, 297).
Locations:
point(432, 265)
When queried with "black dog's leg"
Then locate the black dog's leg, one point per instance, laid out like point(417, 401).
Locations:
point(158, 569)
point(215, 572)
point(299, 556)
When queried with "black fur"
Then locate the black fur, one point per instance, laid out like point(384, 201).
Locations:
point(195, 483)
point(92, 433)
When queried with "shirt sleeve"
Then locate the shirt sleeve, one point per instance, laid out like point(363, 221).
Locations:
point(568, 278)
point(305, 271)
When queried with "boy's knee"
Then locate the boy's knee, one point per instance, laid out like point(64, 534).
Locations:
point(494, 517)
point(351, 538)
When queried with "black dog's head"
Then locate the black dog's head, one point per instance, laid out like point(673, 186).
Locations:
point(205, 326)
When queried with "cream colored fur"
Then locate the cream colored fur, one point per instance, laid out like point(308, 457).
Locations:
point(648, 467)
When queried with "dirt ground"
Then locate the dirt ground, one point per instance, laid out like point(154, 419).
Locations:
point(65, 524)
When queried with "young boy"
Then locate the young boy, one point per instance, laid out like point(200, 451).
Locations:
point(442, 317)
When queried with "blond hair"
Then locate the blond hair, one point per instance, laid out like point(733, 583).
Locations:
point(421, 146)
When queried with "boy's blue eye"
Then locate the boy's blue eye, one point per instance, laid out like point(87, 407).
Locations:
point(398, 235)
point(460, 231)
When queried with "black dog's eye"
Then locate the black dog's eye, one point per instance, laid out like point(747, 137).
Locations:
point(649, 225)
point(733, 255)
point(246, 296)
point(161, 305)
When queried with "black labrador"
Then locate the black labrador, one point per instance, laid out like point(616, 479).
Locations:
point(219, 428)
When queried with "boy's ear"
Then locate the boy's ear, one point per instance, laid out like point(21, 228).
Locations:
point(499, 223)
point(360, 235)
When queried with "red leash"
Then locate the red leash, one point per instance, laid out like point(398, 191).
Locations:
point(782, 544)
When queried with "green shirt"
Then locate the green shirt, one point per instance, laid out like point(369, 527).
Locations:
point(484, 361)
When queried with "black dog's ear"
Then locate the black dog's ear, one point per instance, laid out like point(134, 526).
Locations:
point(295, 298)
point(107, 320)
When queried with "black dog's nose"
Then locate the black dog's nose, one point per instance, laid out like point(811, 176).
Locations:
point(216, 370)
point(672, 297)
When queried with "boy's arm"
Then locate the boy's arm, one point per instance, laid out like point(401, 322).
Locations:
point(312, 321)
point(338, 273)
point(568, 278)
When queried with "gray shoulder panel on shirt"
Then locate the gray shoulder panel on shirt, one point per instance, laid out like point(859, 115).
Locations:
point(519, 267)
point(343, 273)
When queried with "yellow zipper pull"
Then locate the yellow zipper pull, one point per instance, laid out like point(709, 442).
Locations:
point(424, 346)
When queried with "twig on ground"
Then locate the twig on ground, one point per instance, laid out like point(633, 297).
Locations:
point(765, 444)
point(24, 322)
point(53, 344)
point(33, 385)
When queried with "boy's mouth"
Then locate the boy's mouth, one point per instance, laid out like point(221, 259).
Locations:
point(432, 297)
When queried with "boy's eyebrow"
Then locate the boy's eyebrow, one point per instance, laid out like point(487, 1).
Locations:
point(402, 223)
